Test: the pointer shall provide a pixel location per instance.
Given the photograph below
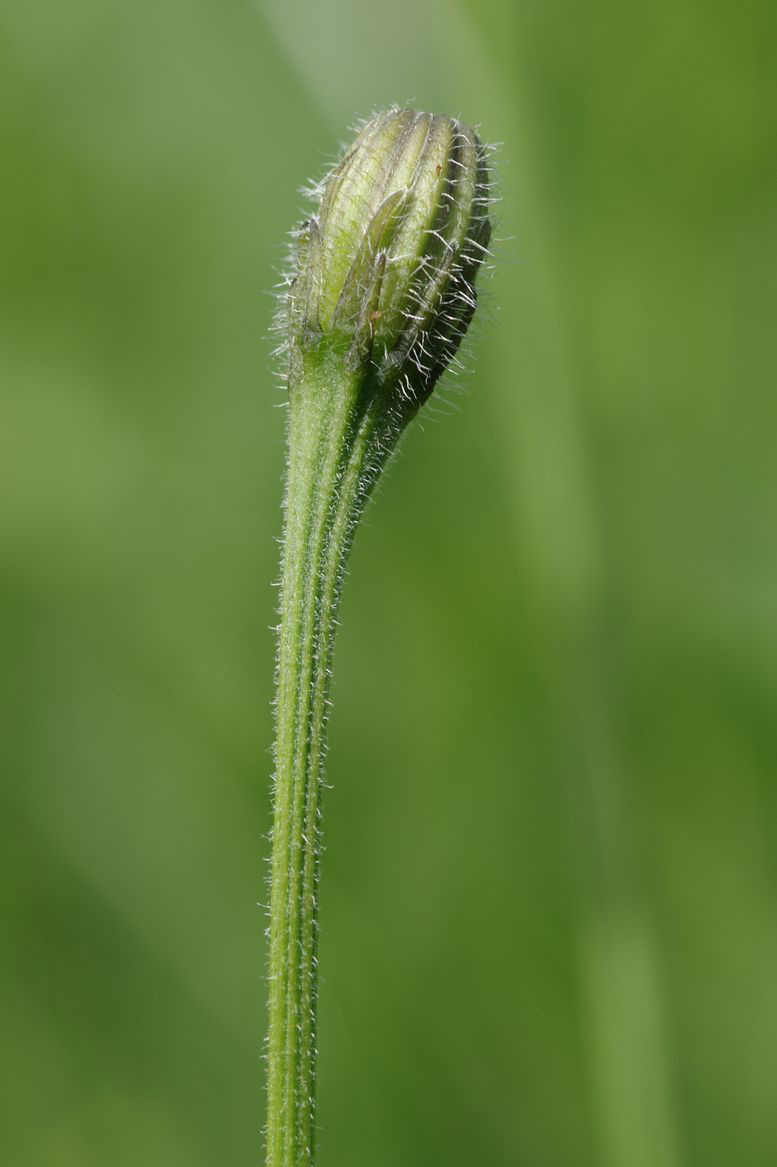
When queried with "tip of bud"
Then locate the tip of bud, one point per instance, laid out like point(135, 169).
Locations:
point(384, 271)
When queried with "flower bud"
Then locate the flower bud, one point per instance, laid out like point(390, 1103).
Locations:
point(385, 270)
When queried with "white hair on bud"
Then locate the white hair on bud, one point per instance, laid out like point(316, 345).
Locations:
point(436, 329)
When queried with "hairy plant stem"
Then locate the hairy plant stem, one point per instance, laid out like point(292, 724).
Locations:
point(340, 434)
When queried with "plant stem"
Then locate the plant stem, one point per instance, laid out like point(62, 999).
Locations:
point(339, 437)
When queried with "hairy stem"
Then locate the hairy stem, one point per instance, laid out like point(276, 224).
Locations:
point(339, 436)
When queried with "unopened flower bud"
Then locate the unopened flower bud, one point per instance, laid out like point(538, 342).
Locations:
point(385, 270)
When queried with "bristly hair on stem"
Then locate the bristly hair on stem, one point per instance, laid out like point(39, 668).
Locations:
point(379, 294)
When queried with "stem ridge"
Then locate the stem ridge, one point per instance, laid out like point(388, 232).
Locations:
point(332, 466)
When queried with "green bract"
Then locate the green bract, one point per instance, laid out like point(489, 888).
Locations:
point(385, 271)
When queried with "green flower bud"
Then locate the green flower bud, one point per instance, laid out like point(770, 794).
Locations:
point(385, 270)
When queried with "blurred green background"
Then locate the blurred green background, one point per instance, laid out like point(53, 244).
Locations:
point(549, 929)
